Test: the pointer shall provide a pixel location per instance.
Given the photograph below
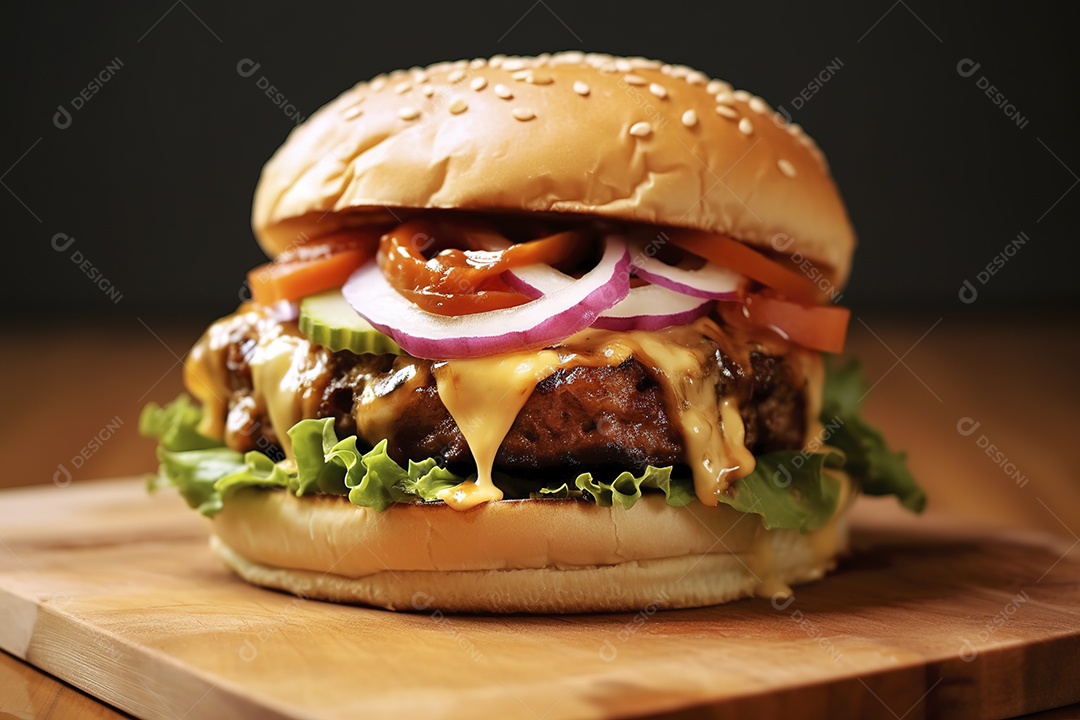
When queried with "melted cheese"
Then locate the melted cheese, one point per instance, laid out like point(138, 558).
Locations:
point(283, 371)
point(278, 379)
point(205, 378)
point(484, 396)
point(713, 432)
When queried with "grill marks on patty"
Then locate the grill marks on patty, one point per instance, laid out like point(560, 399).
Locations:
point(602, 418)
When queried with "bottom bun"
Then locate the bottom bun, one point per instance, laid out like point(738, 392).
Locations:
point(517, 556)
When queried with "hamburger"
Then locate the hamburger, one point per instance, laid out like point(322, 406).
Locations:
point(537, 335)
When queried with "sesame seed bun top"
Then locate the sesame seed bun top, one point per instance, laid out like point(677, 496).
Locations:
point(624, 138)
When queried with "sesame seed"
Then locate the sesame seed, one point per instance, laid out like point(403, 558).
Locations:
point(641, 129)
point(724, 98)
point(352, 113)
point(427, 90)
point(658, 90)
point(665, 69)
point(478, 84)
point(689, 118)
point(640, 62)
point(581, 88)
point(478, 63)
point(521, 75)
point(503, 92)
point(741, 95)
point(786, 168)
point(745, 126)
point(512, 64)
point(458, 106)
point(539, 79)
point(679, 71)
point(758, 105)
point(715, 86)
point(523, 114)
point(496, 61)
point(726, 111)
point(408, 113)
point(378, 83)
point(402, 88)
point(634, 79)
point(794, 129)
point(418, 75)
point(623, 65)
point(456, 76)
point(696, 78)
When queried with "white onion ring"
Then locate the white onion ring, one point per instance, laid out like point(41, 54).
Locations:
point(543, 321)
point(649, 307)
point(708, 281)
point(652, 307)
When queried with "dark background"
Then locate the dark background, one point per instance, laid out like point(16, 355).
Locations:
point(154, 176)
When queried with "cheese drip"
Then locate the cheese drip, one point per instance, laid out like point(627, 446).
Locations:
point(485, 395)
point(284, 370)
point(205, 377)
point(278, 369)
point(713, 431)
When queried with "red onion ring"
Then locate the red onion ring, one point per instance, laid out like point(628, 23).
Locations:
point(708, 281)
point(543, 321)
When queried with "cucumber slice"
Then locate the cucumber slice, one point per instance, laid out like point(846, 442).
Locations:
point(328, 320)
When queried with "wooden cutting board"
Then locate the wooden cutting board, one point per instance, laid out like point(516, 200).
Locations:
point(116, 592)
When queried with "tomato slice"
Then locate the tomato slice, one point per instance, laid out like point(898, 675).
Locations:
point(746, 261)
point(310, 268)
point(818, 327)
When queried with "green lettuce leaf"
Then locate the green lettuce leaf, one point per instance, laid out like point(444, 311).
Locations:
point(788, 489)
point(173, 426)
point(370, 479)
point(626, 488)
point(313, 441)
point(204, 471)
point(383, 481)
point(195, 474)
point(258, 471)
point(867, 457)
point(557, 492)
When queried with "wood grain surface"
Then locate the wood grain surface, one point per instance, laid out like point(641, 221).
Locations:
point(1015, 470)
point(116, 592)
